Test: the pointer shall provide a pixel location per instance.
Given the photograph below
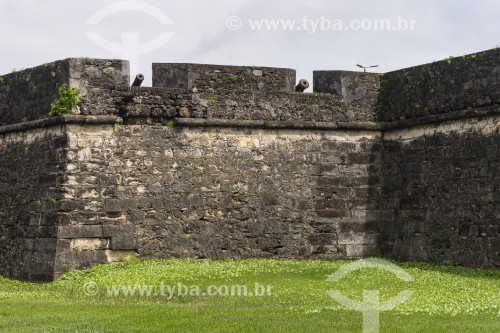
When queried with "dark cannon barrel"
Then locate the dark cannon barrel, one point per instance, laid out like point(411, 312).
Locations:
point(138, 80)
point(303, 85)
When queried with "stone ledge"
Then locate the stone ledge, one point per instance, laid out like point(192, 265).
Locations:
point(63, 120)
point(363, 126)
point(306, 125)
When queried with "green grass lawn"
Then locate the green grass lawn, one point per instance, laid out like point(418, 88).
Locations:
point(445, 299)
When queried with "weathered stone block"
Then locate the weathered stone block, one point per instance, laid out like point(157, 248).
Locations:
point(89, 244)
point(81, 231)
point(118, 255)
point(323, 239)
point(124, 242)
point(114, 205)
point(110, 231)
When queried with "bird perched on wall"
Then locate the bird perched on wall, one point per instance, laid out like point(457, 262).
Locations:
point(365, 67)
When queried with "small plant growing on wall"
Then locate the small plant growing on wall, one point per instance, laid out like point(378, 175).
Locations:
point(67, 101)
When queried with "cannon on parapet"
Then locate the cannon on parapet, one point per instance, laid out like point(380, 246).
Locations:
point(138, 80)
point(303, 85)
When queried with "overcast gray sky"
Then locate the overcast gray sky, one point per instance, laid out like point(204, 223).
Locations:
point(39, 31)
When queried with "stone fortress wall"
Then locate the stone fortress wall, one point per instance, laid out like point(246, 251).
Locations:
point(230, 162)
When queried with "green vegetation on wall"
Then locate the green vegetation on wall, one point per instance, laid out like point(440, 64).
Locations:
point(68, 99)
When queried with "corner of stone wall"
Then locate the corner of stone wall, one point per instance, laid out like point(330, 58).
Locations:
point(359, 91)
point(93, 228)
